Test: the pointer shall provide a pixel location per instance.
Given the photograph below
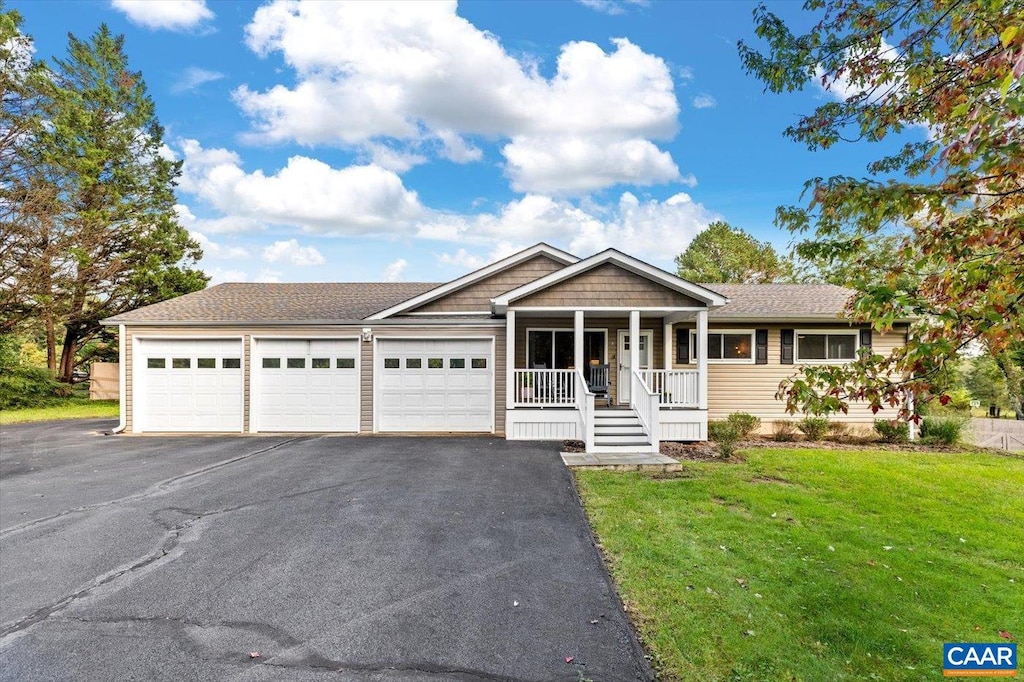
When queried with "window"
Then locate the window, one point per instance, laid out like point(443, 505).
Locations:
point(296, 363)
point(457, 363)
point(206, 363)
point(826, 347)
point(156, 363)
point(231, 363)
point(435, 363)
point(181, 363)
point(479, 363)
point(413, 363)
point(271, 363)
point(556, 348)
point(735, 346)
point(346, 363)
point(391, 363)
point(320, 363)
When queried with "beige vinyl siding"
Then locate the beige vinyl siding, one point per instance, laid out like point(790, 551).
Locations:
point(477, 296)
point(496, 331)
point(365, 350)
point(611, 324)
point(607, 285)
point(751, 388)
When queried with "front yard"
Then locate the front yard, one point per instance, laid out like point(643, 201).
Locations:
point(815, 564)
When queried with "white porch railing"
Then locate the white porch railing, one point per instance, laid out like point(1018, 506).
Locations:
point(676, 387)
point(646, 403)
point(585, 404)
point(544, 387)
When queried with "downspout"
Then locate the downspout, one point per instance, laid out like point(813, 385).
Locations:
point(122, 378)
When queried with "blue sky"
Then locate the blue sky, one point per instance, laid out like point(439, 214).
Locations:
point(334, 142)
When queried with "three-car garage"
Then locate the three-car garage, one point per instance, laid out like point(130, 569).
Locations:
point(313, 384)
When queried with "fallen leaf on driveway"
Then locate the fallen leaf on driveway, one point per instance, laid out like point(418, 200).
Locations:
point(570, 659)
point(255, 654)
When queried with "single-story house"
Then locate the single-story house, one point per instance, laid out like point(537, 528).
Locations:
point(539, 345)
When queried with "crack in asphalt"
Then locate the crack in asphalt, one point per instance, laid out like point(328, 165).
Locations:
point(309, 661)
point(161, 487)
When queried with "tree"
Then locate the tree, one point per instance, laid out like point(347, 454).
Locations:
point(109, 240)
point(1011, 364)
point(723, 253)
point(942, 81)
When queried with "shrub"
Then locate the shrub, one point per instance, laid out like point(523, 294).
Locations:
point(943, 431)
point(29, 387)
point(783, 431)
point(725, 434)
point(814, 428)
point(959, 400)
point(892, 431)
point(745, 423)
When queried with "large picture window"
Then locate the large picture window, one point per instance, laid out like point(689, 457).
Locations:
point(555, 348)
point(726, 346)
point(826, 347)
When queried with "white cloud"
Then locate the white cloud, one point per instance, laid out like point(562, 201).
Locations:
point(414, 72)
point(612, 7)
point(290, 252)
point(306, 193)
point(193, 77)
point(174, 15)
point(395, 272)
point(684, 73)
point(574, 165)
point(268, 276)
point(656, 230)
point(221, 275)
point(216, 251)
point(394, 159)
point(463, 260)
point(704, 101)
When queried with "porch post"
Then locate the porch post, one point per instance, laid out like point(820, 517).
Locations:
point(702, 359)
point(634, 342)
point(577, 335)
point(667, 343)
point(510, 359)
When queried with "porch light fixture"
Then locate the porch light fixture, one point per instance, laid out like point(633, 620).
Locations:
point(367, 334)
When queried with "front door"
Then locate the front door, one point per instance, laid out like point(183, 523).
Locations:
point(646, 343)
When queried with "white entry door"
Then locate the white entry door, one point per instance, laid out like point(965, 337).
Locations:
point(646, 345)
point(309, 385)
point(188, 385)
point(435, 385)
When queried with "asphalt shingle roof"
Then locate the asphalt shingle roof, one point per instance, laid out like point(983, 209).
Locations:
point(274, 302)
point(352, 301)
point(780, 300)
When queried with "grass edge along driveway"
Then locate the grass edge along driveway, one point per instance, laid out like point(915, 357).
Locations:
point(73, 408)
point(815, 564)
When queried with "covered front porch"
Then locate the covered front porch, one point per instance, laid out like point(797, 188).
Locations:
point(575, 373)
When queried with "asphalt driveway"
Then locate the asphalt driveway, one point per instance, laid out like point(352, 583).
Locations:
point(128, 558)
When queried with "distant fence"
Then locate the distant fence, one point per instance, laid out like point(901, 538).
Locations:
point(1005, 434)
point(103, 381)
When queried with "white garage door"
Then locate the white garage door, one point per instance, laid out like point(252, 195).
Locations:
point(188, 385)
point(306, 385)
point(435, 385)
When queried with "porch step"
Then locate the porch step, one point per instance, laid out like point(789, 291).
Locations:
point(618, 430)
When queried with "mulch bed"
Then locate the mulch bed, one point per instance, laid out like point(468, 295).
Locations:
point(707, 452)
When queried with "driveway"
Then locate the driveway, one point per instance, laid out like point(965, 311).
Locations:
point(128, 558)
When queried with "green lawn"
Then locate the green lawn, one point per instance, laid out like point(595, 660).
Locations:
point(73, 408)
point(816, 564)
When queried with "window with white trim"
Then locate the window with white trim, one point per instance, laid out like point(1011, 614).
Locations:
point(726, 346)
point(826, 346)
point(555, 348)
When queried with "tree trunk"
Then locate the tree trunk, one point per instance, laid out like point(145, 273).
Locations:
point(1014, 374)
point(51, 344)
point(67, 357)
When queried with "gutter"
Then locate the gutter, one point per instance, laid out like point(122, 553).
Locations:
point(391, 321)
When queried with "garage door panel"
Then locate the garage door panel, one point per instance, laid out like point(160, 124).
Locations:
point(305, 397)
point(175, 394)
point(439, 390)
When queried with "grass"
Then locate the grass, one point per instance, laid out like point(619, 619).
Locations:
point(813, 564)
point(72, 408)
